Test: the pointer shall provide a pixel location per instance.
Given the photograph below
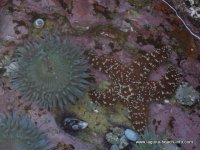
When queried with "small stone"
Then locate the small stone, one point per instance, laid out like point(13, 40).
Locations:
point(118, 131)
point(82, 124)
point(74, 124)
point(186, 95)
point(123, 142)
point(112, 138)
point(114, 147)
point(131, 135)
point(166, 101)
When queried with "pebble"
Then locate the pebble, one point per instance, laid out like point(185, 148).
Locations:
point(74, 124)
point(187, 95)
point(123, 142)
point(114, 147)
point(112, 138)
point(131, 135)
point(118, 131)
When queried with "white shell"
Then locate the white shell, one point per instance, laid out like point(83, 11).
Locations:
point(82, 124)
point(38, 23)
point(131, 135)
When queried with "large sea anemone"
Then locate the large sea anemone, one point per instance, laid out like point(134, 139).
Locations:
point(50, 71)
point(19, 133)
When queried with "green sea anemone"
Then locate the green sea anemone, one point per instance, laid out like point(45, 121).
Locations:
point(19, 133)
point(50, 71)
point(149, 140)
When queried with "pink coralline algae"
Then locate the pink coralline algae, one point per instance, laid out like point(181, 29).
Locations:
point(180, 124)
point(3, 2)
point(9, 30)
point(131, 84)
point(191, 71)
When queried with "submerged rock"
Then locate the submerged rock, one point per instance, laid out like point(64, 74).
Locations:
point(118, 131)
point(112, 138)
point(114, 147)
point(75, 124)
point(179, 122)
point(117, 138)
point(186, 95)
point(131, 135)
point(123, 142)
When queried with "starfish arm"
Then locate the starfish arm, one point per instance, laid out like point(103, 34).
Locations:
point(107, 97)
point(150, 61)
point(110, 66)
point(159, 90)
point(138, 114)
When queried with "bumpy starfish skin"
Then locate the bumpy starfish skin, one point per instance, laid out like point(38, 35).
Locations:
point(130, 84)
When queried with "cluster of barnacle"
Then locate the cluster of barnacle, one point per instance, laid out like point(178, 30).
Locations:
point(51, 72)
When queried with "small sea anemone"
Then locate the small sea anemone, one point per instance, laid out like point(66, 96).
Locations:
point(19, 133)
point(51, 72)
point(148, 138)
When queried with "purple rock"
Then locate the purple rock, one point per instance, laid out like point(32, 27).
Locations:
point(182, 124)
point(191, 71)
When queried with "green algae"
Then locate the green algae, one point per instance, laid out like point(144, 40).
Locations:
point(138, 4)
point(130, 49)
point(109, 31)
point(134, 12)
point(4, 61)
point(100, 118)
point(104, 85)
point(49, 26)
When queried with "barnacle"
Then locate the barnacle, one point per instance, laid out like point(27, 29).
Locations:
point(19, 133)
point(51, 72)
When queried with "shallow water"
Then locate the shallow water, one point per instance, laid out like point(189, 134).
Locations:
point(105, 66)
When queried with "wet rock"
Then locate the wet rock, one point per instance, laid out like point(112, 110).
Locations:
point(117, 138)
point(112, 138)
point(3, 2)
point(194, 9)
point(123, 142)
point(191, 71)
point(188, 10)
point(131, 135)
point(114, 147)
point(74, 124)
point(181, 123)
point(186, 95)
point(118, 131)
